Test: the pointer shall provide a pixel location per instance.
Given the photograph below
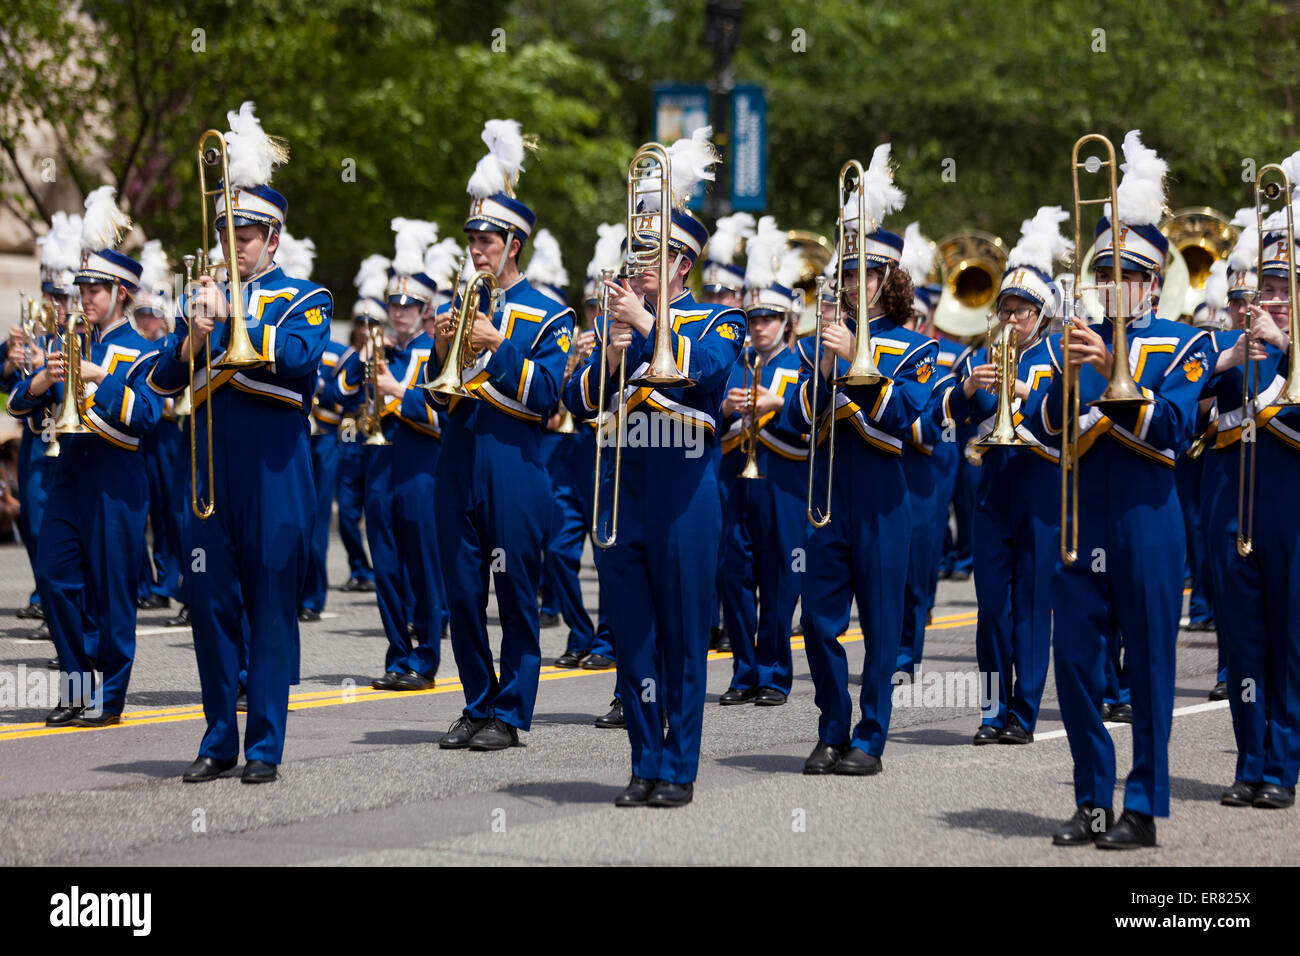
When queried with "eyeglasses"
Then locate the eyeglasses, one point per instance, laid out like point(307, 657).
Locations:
point(1020, 314)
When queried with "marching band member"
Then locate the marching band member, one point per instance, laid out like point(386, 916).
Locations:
point(92, 537)
point(494, 497)
point(1016, 517)
point(1131, 540)
point(853, 557)
point(665, 554)
point(763, 519)
point(400, 491)
point(263, 491)
point(1262, 634)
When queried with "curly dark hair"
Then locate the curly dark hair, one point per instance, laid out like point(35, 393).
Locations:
point(897, 296)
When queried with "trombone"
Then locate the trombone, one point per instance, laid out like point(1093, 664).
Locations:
point(749, 431)
point(603, 424)
point(459, 354)
point(374, 403)
point(1279, 188)
point(863, 369)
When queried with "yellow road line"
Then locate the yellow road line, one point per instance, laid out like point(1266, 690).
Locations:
point(308, 700)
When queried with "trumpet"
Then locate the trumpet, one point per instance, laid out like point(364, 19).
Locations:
point(68, 421)
point(1004, 352)
point(373, 415)
point(460, 355)
point(1278, 188)
point(749, 433)
point(39, 318)
point(603, 423)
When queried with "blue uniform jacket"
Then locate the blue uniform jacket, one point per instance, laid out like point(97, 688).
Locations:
point(405, 363)
point(780, 374)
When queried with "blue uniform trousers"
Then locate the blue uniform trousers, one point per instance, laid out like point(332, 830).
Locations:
point(958, 557)
point(854, 558)
point(570, 521)
point(922, 473)
point(1015, 545)
point(664, 562)
point(352, 499)
point(947, 487)
point(1128, 577)
point(1212, 540)
point(251, 563)
point(393, 590)
point(773, 511)
point(32, 479)
point(736, 578)
point(493, 513)
point(325, 458)
point(1188, 478)
point(91, 542)
point(160, 448)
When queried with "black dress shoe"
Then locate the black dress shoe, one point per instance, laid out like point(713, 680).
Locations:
point(1206, 625)
point(548, 620)
point(62, 715)
point(412, 680)
point(386, 682)
point(352, 584)
point(987, 734)
point(716, 636)
point(1131, 831)
point(496, 734)
point(182, 618)
point(959, 576)
point(856, 762)
point(42, 633)
point(1014, 733)
point(597, 662)
point(667, 794)
point(206, 768)
point(1122, 713)
point(368, 585)
point(1220, 691)
point(824, 758)
point(1240, 794)
point(259, 771)
point(736, 695)
point(99, 720)
point(769, 697)
point(796, 630)
point(614, 719)
point(1272, 797)
point(459, 734)
point(1079, 829)
point(637, 793)
point(569, 659)
point(32, 612)
point(52, 664)
point(1106, 710)
point(153, 602)
point(308, 616)
point(241, 700)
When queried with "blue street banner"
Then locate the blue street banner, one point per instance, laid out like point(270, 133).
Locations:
point(748, 149)
point(679, 111)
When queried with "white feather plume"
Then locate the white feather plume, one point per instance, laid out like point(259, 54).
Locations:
point(252, 154)
point(1141, 191)
point(441, 261)
point(1291, 166)
point(691, 158)
point(546, 266)
point(155, 274)
point(608, 254)
point(104, 224)
point(1216, 285)
point(763, 253)
point(295, 257)
point(790, 268)
point(61, 246)
point(215, 256)
point(501, 167)
point(1041, 243)
point(372, 278)
point(414, 236)
point(728, 235)
point(882, 196)
point(917, 258)
point(1245, 253)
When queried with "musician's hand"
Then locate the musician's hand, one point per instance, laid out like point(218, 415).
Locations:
point(209, 305)
point(485, 334)
point(1087, 347)
point(90, 372)
point(768, 401)
point(553, 423)
point(981, 376)
point(839, 341)
point(1022, 390)
point(55, 370)
point(15, 342)
point(620, 340)
point(1263, 328)
point(388, 385)
point(735, 400)
point(626, 306)
point(585, 343)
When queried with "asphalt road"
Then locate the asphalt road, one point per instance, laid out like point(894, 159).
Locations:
point(364, 781)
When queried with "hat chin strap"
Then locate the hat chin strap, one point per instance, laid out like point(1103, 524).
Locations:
point(257, 269)
point(505, 253)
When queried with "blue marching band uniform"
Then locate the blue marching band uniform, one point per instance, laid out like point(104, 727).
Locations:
point(463, 489)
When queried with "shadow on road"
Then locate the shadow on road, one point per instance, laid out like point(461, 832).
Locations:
point(566, 791)
point(765, 763)
point(1001, 822)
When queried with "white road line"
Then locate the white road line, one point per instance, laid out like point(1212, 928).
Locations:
point(1178, 712)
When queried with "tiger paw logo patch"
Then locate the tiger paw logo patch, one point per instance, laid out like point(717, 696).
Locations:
point(729, 331)
point(564, 342)
point(924, 371)
point(1194, 368)
point(315, 316)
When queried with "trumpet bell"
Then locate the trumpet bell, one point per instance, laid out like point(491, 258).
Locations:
point(1202, 236)
point(751, 470)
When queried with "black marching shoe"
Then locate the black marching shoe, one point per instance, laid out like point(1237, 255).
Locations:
point(1206, 625)
point(206, 768)
point(42, 633)
point(637, 793)
point(769, 697)
point(32, 612)
point(959, 576)
point(459, 734)
point(1014, 733)
point(308, 616)
point(52, 664)
point(569, 659)
point(1122, 713)
point(1078, 830)
point(241, 700)
point(667, 794)
point(614, 719)
point(736, 695)
point(154, 602)
point(1240, 794)
point(259, 771)
point(367, 585)
point(412, 680)
point(1131, 831)
point(352, 584)
point(1272, 797)
point(98, 720)
point(386, 682)
point(548, 620)
point(824, 758)
point(1219, 691)
point(496, 734)
point(1106, 710)
point(718, 639)
point(597, 662)
point(63, 715)
point(182, 618)
point(858, 763)
point(987, 734)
